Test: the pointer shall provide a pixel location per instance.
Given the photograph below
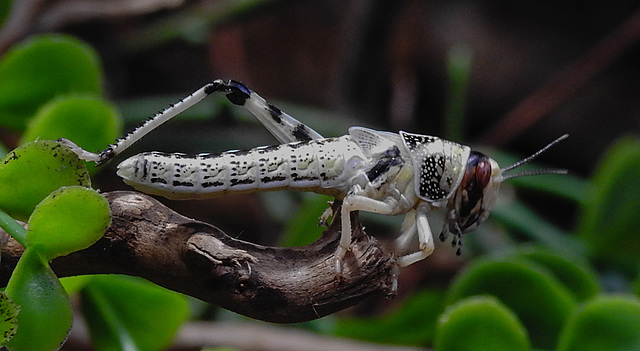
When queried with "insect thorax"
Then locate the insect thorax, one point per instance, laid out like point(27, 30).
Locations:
point(438, 165)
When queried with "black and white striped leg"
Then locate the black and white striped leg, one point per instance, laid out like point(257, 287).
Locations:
point(284, 127)
point(145, 128)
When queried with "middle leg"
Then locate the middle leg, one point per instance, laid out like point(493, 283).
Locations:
point(425, 238)
point(354, 202)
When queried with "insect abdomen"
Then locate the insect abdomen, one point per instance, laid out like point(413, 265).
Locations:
point(316, 165)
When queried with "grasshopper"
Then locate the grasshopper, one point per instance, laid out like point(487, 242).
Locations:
point(368, 170)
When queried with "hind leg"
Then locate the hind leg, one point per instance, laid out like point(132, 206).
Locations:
point(284, 127)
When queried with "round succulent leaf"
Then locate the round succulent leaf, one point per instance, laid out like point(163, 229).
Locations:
point(45, 315)
point(32, 171)
point(8, 318)
point(539, 300)
point(480, 323)
point(604, 323)
point(74, 284)
point(609, 221)
point(89, 121)
point(41, 68)
point(69, 219)
point(574, 273)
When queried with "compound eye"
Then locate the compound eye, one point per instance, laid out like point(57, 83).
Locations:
point(483, 173)
point(478, 172)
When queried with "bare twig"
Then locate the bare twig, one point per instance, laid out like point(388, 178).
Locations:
point(253, 336)
point(283, 285)
point(246, 335)
point(32, 16)
point(72, 11)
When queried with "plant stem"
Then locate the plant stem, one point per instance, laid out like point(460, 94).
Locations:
point(13, 228)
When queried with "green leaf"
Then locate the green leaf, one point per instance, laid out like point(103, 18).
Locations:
point(13, 228)
point(412, 324)
point(605, 323)
point(41, 68)
point(517, 216)
point(31, 172)
point(480, 323)
point(126, 313)
point(609, 221)
point(8, 318)
point(573, 273)
point(45, 311)
point(89, 121)
point(541, 302)
point(69, 219)
point(74, 284)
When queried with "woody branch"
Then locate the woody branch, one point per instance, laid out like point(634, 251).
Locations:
point(274, 284)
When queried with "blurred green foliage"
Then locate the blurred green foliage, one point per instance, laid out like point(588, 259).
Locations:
point(42, 68)
point(67, 116)
point(480, 323)
point(610, 222)
point(512, 281)
point(50, 87)
point(413, 323)
point(129, 313)
point(604, 323)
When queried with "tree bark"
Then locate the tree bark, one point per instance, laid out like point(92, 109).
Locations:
point(282, 285)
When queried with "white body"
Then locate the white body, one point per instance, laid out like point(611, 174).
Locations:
point(373, 171)
point(325, 166)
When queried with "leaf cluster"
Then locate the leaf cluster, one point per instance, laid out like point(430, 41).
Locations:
point(51, 87)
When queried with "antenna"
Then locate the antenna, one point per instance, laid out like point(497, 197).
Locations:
point(531, 158)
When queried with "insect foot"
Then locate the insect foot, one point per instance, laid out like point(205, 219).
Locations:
point(327, 215)
point(340, 253)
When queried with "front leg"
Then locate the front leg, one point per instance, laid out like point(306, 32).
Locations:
point(425, 238)
point(356, 202)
